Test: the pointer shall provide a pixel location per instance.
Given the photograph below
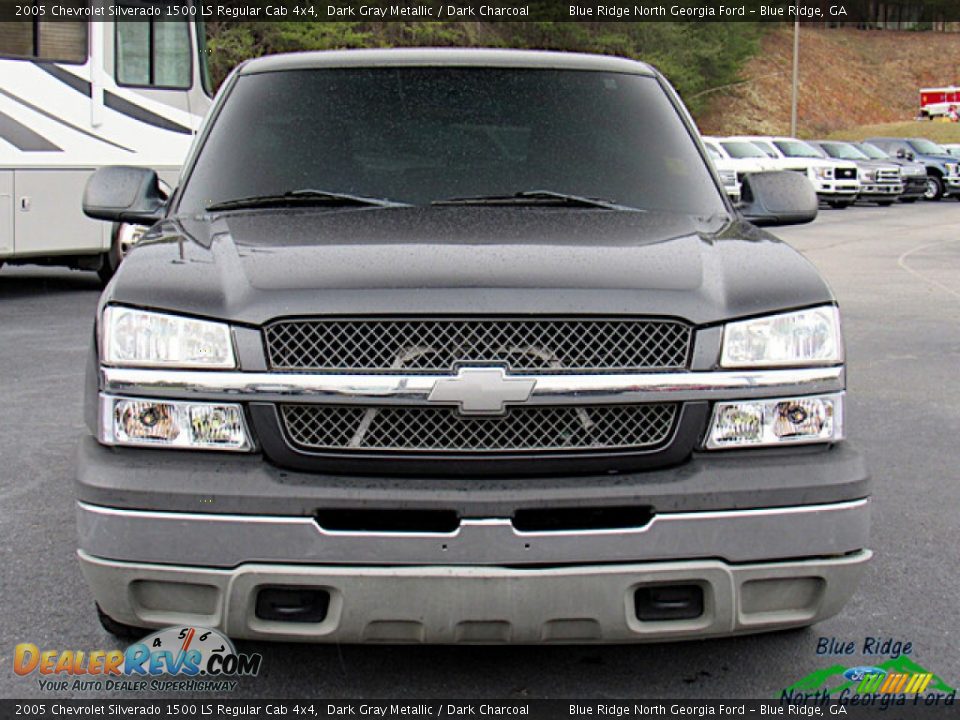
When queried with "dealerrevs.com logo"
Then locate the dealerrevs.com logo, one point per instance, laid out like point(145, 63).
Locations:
point(201, 659)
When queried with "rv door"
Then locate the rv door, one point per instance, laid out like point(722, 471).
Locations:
point(6, 213)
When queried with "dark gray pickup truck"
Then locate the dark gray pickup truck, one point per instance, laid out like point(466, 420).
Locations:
point(463, 346)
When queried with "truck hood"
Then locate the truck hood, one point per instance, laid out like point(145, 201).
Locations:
point(751, 164)
point(803, 163)
point(252, 266)
point(937, 158)
point(907, 167)
point(823, 162)
point(876, 165)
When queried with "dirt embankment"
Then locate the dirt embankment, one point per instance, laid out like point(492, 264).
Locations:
point(847, 78)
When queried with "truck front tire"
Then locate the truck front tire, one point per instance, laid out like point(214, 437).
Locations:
point(934, 190)
point(118, 629)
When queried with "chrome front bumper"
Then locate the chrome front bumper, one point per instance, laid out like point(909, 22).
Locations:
point(226, 541)
point(484, 582)
point(834, 188)
point(882, 189)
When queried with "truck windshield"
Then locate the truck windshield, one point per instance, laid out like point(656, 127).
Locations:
point(742, 149)
point(416, 135)
point(925, 147)
point(796, 148)
point(872, 151)
point(843, 151)
point(766, 148)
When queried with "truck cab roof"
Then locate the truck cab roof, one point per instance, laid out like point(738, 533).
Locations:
point(424, 57)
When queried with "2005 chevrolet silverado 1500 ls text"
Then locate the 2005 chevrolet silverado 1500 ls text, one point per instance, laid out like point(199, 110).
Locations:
point(463, 346)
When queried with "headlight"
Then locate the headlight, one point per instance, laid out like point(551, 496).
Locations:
point(951, 168)
point(869, 175)
point(805, 337)
point(728, 177)
point(824, 173)
point(188, 425)
point(138, 338)
point(784, 421)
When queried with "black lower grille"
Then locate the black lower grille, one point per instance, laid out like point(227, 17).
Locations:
point(445, 430)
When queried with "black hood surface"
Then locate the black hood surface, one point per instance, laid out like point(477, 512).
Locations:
point(253, 266)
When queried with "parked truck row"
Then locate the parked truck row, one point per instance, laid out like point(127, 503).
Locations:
point(880, 170)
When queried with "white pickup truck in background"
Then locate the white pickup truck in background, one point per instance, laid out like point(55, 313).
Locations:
point(836, 181)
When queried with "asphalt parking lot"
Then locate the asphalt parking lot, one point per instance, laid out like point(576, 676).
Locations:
point(896, 272)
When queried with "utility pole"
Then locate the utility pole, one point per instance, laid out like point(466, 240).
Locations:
point(796, 78)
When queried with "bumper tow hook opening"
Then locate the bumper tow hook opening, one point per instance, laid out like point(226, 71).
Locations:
point(292, 604)
point(669, 602)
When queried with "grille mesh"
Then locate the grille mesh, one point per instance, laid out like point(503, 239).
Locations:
point(407, 346)
point(399, 429)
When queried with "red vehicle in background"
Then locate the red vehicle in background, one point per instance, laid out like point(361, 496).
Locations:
point(935, 102)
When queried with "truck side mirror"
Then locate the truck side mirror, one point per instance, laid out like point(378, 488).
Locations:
point(778, 198)
point(124, 194)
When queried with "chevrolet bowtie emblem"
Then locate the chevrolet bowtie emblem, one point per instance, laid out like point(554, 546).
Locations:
point(481, 391)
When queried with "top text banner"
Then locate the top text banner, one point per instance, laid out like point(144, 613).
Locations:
point(905, 15)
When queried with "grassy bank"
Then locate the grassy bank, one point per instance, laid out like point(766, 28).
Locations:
point(849, 78)
point(939, 132)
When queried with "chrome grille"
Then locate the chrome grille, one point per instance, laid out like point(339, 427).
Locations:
point(888, 175)
point(845, 173)
point(554, 345)
point(444, 430)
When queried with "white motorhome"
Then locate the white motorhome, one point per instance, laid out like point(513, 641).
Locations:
point(75, 96)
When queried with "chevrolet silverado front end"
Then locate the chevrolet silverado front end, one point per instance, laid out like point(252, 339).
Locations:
point(479, 352)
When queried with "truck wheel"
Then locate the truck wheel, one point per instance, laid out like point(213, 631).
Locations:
point(934, 188)
point(119, 629)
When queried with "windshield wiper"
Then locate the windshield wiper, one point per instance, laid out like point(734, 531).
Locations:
point(534, 197)
point(306, 196)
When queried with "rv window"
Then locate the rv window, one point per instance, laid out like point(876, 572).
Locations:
point(63, 41)
point(153, 54)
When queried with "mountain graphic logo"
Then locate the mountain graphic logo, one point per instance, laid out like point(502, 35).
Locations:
point(897, 675)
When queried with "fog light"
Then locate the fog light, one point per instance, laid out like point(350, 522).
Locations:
point(739, 423)
point(173, 424)
point(802, 418)
point(146, 421)
point(776, 422)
